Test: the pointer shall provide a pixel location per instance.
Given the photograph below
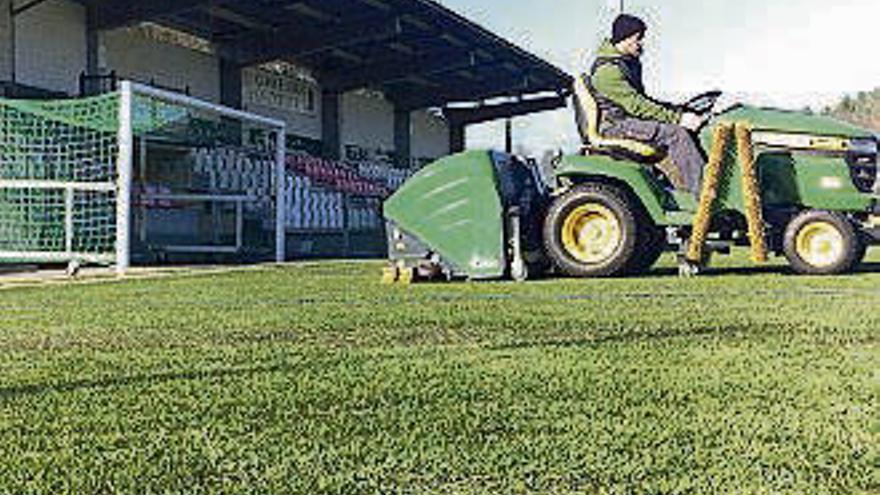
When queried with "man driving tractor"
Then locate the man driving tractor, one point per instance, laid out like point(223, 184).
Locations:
point(627, 112)
point(798, 185)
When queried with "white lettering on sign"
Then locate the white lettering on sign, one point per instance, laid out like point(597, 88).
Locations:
point(281, 88)
point(170, 36)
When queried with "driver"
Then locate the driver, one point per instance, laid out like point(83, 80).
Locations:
point(627, 112)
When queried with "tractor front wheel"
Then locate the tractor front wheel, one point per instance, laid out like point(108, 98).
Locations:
point(822, 243)
point(591, 231)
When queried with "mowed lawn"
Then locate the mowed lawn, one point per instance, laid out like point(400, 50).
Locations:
point(317, 379)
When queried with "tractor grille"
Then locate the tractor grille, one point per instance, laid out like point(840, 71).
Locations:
point(862, 160)
point(863, 170)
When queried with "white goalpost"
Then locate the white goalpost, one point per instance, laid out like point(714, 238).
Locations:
point(141, 170)
point(124, 165)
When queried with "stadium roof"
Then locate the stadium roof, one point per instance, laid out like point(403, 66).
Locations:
point(417, 52)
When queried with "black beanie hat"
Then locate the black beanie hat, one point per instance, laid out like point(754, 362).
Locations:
point(625, 26)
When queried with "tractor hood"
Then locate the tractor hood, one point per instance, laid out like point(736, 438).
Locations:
point(803, 132)
point(764, 119)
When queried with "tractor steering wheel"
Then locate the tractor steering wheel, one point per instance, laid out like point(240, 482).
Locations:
point(703, 103)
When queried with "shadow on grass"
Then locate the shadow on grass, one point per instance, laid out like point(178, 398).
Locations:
point(754, 270)
point(672, 272)
point(135, 380)
point(868, 268)
point(745, 271)
point(863, 269)
point(626, 338)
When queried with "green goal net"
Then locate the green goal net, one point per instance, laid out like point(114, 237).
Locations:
point(72, 173)
point(58, 179)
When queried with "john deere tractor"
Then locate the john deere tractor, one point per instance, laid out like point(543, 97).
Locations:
point(786, 183)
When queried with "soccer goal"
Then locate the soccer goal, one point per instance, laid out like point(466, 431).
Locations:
point(139, 170)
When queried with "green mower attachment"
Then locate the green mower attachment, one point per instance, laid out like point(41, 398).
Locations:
point(474, 215)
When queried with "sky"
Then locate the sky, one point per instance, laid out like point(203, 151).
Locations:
point(784, 53)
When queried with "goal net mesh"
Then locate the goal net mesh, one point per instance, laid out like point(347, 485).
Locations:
point(204, 183)
point(59, 167)
point(57, 174)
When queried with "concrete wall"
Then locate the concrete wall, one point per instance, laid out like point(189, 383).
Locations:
point(133, 54)
point(430, 135)
point(307, 126)
point(367, 121)
point(50, 46)
point(303, 124)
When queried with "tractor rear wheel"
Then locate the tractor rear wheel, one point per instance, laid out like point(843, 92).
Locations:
point(592, 231)
point(822, 243)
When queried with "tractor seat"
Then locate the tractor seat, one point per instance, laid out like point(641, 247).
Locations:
point(587, 115)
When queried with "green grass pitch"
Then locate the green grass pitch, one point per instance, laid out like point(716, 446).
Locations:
point(317, 379)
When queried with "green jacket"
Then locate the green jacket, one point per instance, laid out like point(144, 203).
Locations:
point(620, 84)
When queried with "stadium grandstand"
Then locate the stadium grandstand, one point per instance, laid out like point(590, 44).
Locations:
point(363, 91)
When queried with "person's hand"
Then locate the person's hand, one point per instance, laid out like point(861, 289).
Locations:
point(692, 121)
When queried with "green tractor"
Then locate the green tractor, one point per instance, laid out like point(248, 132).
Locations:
point(613, 209)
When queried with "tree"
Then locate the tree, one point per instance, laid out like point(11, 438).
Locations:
point(862, 110)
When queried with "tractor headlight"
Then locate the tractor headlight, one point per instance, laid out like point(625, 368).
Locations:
point(867, 147)
point(862, 160)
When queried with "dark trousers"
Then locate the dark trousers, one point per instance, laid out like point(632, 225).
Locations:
point(680, 146)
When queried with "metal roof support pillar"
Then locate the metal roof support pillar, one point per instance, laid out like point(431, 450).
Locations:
point(508, 136)
point(403, 137)
point(231, 85)
point(457, 134)
point(93, 43)
point(331, 122)
point(11, 42)
point(231, 88)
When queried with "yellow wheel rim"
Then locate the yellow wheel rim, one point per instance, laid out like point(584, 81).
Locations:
point(592, 233)
point(820, 244)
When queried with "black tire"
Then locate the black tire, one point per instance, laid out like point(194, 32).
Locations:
point(861, 253)
point(841, 259)
point(626, 215)
point(650, 245)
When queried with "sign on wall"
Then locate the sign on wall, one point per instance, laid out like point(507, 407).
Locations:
point(280, 87)
point(170, 36)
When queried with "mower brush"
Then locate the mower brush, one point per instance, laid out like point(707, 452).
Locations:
point(750, 189)
point(714, 170)
point(751, 194)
